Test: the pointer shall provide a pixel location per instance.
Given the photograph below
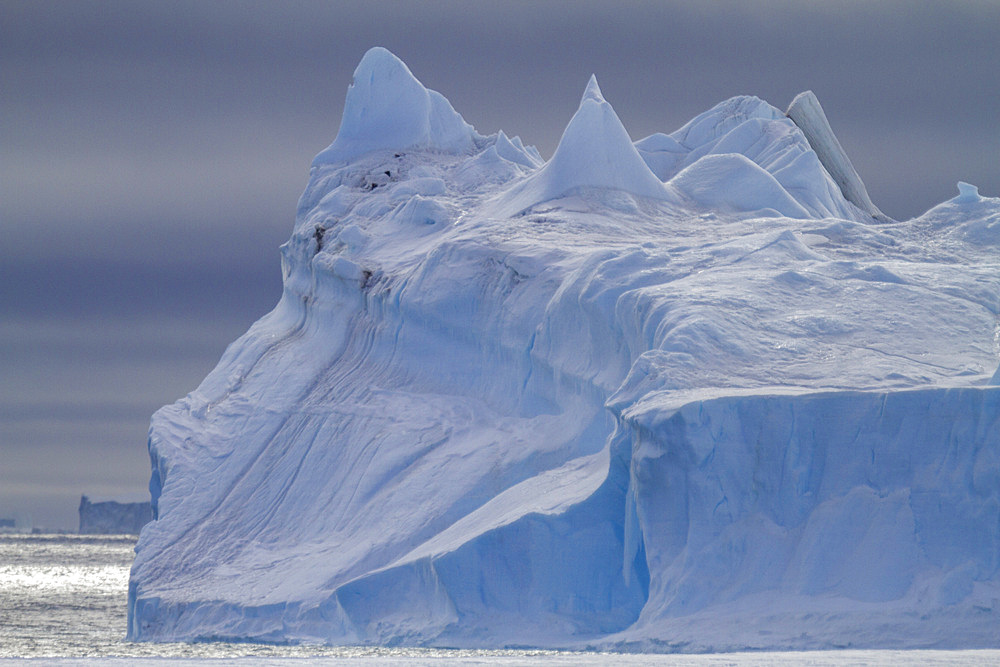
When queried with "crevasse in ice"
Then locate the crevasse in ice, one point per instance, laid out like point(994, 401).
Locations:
point(683, 394)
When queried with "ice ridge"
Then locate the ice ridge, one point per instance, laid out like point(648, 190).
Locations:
point(806, 112)
point(750, 128)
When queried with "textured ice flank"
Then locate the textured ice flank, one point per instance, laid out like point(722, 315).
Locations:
point(387, 108)
point(807, 113)
point(738, 416)
point(970, 215)
point(595, 151)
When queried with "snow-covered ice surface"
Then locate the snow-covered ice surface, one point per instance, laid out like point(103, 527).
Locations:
point(677, 395)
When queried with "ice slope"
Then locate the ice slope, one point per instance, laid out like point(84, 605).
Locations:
point(617, 399)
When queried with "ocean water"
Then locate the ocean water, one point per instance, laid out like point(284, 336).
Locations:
point(62, 600)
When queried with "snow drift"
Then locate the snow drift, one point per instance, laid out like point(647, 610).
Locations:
point(692, 393)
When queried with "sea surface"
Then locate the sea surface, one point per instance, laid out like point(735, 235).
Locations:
point(62, 600)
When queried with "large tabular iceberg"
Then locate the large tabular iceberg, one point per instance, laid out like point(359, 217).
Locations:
point(692, 393)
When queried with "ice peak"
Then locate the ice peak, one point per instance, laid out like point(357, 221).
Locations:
point(595, 151)
point(380, 62)
point(388, 108)
point(593, 91)
point(806, 112)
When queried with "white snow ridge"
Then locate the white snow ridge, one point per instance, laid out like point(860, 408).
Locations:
point(690, 394)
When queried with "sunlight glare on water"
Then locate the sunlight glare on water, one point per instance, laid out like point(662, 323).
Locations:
point(63, 579)
point(63, 598)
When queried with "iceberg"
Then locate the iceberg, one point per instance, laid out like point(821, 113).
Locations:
point(692, 393)
point(107, 516)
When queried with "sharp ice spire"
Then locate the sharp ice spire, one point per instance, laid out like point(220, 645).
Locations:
point(806, 112)
point(595, 151)
point(593, 91)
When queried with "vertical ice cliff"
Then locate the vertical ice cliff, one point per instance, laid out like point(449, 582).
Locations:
point(673, 395)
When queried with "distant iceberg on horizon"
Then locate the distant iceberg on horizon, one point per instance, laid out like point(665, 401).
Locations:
point(689, 393)
point(113, 516)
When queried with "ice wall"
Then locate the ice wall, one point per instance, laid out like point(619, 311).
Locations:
point(856, 505)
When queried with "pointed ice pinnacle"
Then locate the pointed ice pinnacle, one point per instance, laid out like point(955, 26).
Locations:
point(806, 112)
point(387, 108)
point(593, 91)
point(595, 151)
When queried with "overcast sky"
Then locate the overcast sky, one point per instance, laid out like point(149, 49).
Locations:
point(151, 156)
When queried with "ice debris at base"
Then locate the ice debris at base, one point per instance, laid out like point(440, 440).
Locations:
point(678, 395)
